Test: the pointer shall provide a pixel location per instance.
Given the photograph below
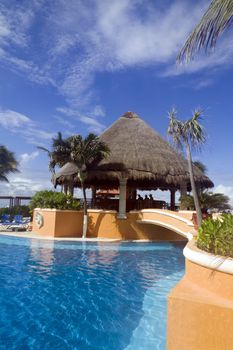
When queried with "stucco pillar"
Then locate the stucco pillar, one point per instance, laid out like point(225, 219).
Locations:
point(173, 198)
point(122, 199)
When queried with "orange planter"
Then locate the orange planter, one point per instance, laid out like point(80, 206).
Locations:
point(57, 223)
point(200, 307)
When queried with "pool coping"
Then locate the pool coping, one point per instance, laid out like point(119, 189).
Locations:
point(32, 235)
point(26, 234)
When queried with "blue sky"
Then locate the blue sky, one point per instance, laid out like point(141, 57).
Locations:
point(75, 66)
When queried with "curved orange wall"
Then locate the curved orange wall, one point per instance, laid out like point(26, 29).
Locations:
point(200, 311)
point(101, 224)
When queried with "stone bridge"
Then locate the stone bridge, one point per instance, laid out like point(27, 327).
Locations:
point(179, 222)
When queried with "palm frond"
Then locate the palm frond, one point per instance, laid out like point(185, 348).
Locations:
point(217, 18)
point(3, 178)
point(195, 130)
point(8, 163)
point(202, 167)
point(175, 129)
point(43, 149)
point(88, 151)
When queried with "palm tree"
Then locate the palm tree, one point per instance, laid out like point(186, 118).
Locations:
point(208, 200)
point(59, 154)
point(188, 134)
point(86, 152)
point(8, 163)
point(217, 18)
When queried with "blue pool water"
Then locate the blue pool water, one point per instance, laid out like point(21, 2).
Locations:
point(68, 295)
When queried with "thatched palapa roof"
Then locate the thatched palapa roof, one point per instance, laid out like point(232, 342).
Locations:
point(140, 154)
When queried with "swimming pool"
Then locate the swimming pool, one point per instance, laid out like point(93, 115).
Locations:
point(67, 295)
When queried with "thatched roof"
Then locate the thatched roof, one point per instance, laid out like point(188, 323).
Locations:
point(140, 154)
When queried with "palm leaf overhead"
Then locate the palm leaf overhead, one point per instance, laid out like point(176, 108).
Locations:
point(217, 18)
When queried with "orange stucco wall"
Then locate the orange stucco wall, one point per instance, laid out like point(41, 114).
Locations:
point(101, 224)
point(107, 225)
point(200, 311)
point(59, 223)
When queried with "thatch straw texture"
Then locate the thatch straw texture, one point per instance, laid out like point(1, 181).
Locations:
point(139, 154)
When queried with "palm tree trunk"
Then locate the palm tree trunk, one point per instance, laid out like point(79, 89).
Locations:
point(85, 211)
point(71, 188)
point(194, 190)
point(65, 188)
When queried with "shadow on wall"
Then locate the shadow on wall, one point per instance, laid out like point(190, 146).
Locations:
point(107, 225)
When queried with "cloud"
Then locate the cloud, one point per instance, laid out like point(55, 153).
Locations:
point(203, 83)
point(10, 120)
point(77, 44)
point(27, 157)
point(220, 58)
point(19, 123)
point(93, 124)
point(114, 36)
point(227, 190)
point(13, 29)
point(64, 121)
point(16, 20)
point(24, 185)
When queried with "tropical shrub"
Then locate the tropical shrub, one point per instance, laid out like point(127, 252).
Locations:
point(17, 210)
point(216, 236)
point(54, 200)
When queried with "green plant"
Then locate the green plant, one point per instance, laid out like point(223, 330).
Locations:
point(17, 210)
point(216, 236)
point(54, 200)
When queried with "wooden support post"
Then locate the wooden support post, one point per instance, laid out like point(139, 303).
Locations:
point(173, 198)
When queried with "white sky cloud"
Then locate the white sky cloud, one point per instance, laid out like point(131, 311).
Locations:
point(27, 157)
point(22, 185)
point(93, 124)
point(11, 120)
point(77, 44)
point(19, 123)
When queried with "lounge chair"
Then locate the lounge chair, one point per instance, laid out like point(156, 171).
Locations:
point(19, 222)
point(5, 221)
point(16, 224)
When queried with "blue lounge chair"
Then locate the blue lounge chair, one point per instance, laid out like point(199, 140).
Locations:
point(19, 222)
point(5, 221)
